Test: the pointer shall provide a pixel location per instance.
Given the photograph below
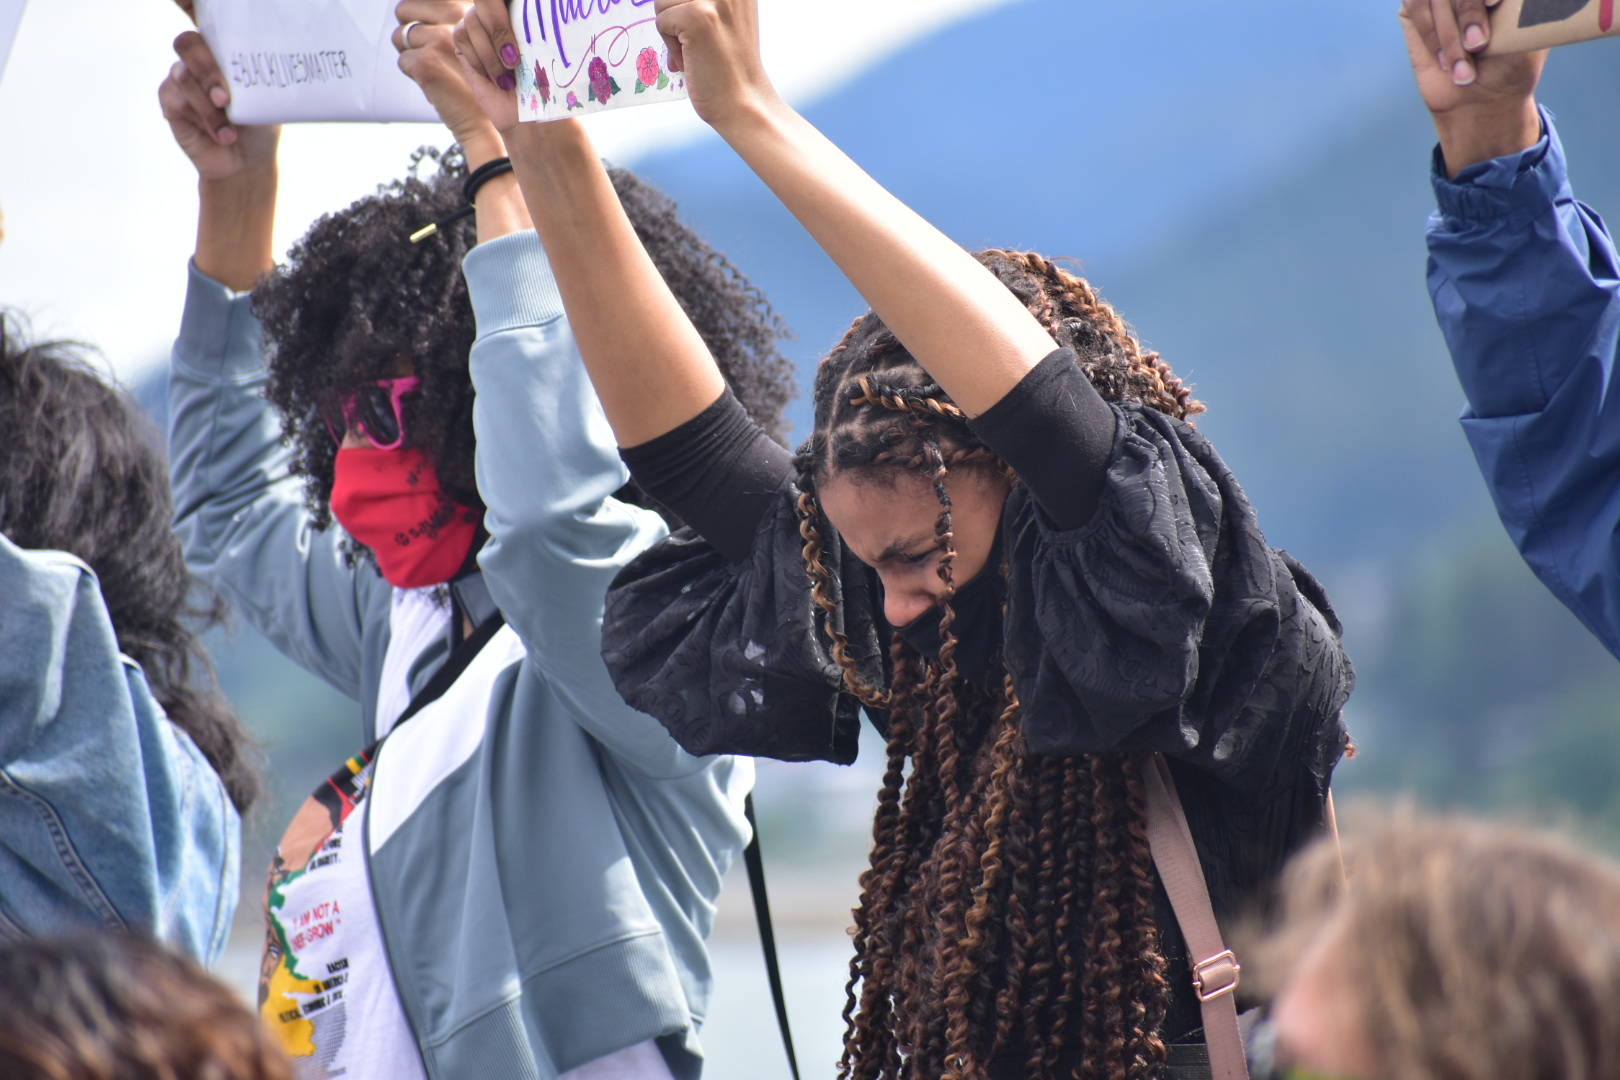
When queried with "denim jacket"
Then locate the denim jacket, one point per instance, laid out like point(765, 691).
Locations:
point(1526, 285)
point(109, 814)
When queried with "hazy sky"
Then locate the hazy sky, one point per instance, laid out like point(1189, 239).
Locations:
point(100, 205)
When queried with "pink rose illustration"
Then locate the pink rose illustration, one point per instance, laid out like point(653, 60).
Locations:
point(543, 82)
point(602, 86)
point(573, 100)
point(647, 67)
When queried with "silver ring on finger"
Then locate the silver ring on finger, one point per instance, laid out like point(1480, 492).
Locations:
point(405, 33)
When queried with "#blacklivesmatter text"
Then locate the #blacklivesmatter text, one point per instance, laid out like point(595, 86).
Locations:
point(283, 69)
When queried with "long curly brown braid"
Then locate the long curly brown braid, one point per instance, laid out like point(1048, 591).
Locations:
point(1007, 915)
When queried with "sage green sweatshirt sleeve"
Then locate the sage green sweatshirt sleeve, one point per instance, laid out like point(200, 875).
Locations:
point(547, 469)
point(239, 509)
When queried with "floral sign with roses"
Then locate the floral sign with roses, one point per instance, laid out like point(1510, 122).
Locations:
point(584, 56)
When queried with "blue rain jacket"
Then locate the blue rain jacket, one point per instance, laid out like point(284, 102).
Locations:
point(1526, 285)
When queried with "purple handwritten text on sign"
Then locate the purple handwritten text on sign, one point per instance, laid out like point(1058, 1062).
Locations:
point(564, 13)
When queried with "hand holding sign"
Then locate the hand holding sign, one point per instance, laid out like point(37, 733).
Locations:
point(488, 51)
point(1483, 106)
point(291, 60)
point(193, 98)
point(427, 56)
point(715, 43)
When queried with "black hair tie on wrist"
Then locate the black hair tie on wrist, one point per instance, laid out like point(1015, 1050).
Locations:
point(476, 179)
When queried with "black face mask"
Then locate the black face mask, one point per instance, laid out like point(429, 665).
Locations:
point(977, 626)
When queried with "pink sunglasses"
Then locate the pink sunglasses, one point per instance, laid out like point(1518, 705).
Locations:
point(373, 409)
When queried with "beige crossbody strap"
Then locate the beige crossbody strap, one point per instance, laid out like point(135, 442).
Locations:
point(1215, 968)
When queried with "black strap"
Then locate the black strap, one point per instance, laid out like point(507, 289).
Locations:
point(767, 934)
point(462, 655)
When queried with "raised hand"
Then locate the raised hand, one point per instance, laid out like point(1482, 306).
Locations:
point(1445, 38)
point(428, 56)
point(716, 43)
point(193, 98)
point(1483, 106)
point(488, 51)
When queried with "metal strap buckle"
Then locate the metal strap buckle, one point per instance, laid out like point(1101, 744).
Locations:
point(1216, 976)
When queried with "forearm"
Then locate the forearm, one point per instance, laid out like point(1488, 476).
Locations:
point(1469, 137)
point(499, 202)
point(235, 222)
point(651, 369)
point(951, 313)
point(1524, 280)
point(1526, 287)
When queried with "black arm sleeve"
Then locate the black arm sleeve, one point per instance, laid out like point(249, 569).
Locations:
point(718, 472)
point(1057, 433)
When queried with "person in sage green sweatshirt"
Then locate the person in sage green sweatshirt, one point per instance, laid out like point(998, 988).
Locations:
point(388, 454)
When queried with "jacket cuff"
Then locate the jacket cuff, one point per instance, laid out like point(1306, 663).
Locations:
point(1515, 188)
point(510, 283)
point(219, 334)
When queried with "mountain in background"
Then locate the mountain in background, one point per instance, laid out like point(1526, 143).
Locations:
point(1250, 190)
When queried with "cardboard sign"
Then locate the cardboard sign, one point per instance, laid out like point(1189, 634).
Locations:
point(296, 60)
point(585, 56)
point(10, 18)
point(1523, 25)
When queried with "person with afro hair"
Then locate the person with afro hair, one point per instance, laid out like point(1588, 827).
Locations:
point(387, 452)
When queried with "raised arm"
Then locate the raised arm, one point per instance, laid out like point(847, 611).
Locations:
point(1526, 286)
point(546, 462)
point(950, 313)
point(1483, 106)
point(238, 507)
point(649, 367)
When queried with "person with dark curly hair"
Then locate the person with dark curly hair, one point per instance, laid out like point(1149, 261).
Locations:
point(115, 1007)
point(425, 506)
point(123, 772)
point(1004, 540)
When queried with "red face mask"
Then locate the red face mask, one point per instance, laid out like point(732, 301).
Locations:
point(390, 501)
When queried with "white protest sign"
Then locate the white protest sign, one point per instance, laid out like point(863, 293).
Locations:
point(292, 60)
point(1523, 25)
point(10, 18)
point(585, 56)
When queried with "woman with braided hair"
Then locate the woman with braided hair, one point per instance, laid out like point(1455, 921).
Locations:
point(1005, 542)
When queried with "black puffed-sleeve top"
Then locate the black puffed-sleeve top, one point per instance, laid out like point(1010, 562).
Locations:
point(1145, 612)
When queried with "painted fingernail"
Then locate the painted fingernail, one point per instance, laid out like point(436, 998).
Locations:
point(506, 82)
point(1462, 73)
point(1474, 37)
point(219, 97)
point(509, 54)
